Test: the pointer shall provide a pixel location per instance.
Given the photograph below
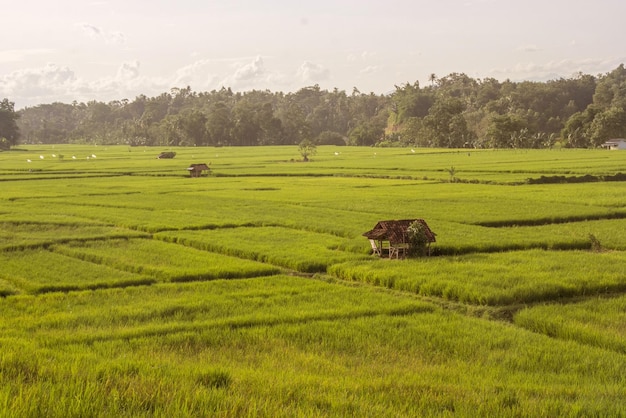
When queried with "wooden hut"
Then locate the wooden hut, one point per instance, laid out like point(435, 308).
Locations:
point(390, 238)
point(195, 170)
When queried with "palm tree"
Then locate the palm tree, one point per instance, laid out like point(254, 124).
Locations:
point(432, 78)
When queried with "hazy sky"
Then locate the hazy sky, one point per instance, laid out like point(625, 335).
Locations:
point(66, 50)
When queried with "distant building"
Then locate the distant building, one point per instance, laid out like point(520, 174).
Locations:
point(615, 144)
point(195, 170)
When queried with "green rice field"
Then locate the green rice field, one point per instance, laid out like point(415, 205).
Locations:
point(130, 289)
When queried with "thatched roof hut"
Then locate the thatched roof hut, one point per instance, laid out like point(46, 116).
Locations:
point(195, 170)
point(392, 236)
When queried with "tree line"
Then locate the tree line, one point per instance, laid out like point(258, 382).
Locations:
point(451, 111)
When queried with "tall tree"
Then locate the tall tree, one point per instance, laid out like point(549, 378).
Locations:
point(219, 124)
point(607, 125)
point(9, 132)
point(504, 129)
point(366, 133)
point(611, 89)
point(246, 129)
point(575, 133)
point(411, 101)
point(294, 123)
point(445, 125)
point(432, 78)
point(193, 127)
point(271, 128)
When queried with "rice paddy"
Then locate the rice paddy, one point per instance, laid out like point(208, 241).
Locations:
point(128, 288)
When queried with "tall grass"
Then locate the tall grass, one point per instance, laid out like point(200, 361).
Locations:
point(31, 234)
point(298, 250)
point(355, 339)
point(496, 279)
point(417, 361)
point(40, 271)
point(596, 322)
point(456, 239)
point(164, 261)
point(7, 288)
point(201, 209)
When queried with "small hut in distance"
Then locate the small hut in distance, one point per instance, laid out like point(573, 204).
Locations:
point(195, 170)
point(392, 239)
point(166, 155)
point(615, 144)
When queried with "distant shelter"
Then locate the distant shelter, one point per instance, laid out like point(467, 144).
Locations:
point(391, 238)
point(615, 144)
point(195, 170)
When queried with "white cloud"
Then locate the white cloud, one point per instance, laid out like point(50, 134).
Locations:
point(33, 86)
point(252, 75)
point(247, 73)
point(38, 83)
point(197, 75)
point(312, 73)
point(126, 83)
point(128, 71)
point(554, 69)
point(50, 83)
point(372, 69)
point(91, 31)
point(96, 33)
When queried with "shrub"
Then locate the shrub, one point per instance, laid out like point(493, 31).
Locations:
point(330, 138)
point(307, 148)
point(418, 239)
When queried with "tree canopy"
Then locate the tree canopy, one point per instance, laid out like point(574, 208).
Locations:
point(452, 111)
point(9, 131)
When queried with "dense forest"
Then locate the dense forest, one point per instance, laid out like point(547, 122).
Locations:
point(451, 111)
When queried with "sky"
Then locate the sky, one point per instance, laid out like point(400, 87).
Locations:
point(105, 50)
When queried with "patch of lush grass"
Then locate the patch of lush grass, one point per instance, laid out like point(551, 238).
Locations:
point(164, 261)
point(40, 271)
point(176, 204)
point(7, 289)
point(18, 235)
point(179, 308)
point(495, 279)
point(294, 249)
point(454, 238)
point(596, 322)
point(302, 347)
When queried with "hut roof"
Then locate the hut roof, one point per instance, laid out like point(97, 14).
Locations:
point(395, 231)
point(196, 167)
